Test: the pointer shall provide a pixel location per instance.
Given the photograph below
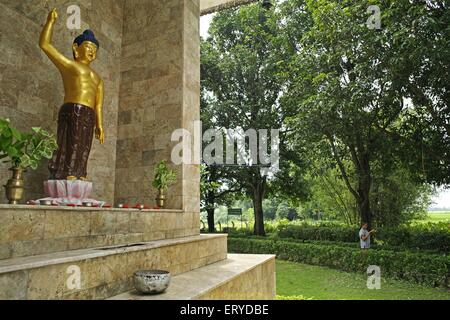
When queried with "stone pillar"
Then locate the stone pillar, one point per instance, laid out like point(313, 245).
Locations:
point(159, 93)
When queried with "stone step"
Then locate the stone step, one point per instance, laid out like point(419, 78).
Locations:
point(239, 277)
point(99, 273)
point(36, 230)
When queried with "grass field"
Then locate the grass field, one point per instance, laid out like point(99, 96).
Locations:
point(438, 216)
point(312, 282)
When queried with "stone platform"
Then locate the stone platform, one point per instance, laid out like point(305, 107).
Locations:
point(239, 277)
point(91, 253)
point(34, 230)
point(104, 272)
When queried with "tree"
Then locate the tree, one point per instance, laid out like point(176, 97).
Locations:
point(270, 207)
point(352, 103)
point(216, 190)
point(330, 195)
point(217, 185)
point(243, 64)
point(423, 69)
point(285, 211)
point(367, 104)
point(396, 196)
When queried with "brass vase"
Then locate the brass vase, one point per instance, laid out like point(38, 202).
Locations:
point(15, 186)
point(161, 198)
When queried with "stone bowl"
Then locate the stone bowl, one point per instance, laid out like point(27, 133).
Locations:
point(151, 281)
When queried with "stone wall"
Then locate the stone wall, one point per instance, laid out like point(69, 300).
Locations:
point(26, 231)
point(31, 90)
point(149, 59)
point(105, 273)
point(159, 93)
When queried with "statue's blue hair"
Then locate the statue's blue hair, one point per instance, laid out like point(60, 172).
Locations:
point(87, 35)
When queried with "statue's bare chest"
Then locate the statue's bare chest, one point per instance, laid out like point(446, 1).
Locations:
point(86, 75)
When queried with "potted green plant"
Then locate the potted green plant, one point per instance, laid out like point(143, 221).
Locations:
point(164, 177)
point(23, 151)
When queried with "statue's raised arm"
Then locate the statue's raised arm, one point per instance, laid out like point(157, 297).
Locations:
point(45, 43)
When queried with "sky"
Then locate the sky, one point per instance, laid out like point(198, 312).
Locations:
point(205, 21)
point(442, 200)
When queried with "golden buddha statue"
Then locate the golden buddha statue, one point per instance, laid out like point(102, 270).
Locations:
point(81, 113)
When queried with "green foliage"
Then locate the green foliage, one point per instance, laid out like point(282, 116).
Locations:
point(428, 237)
point(243, 72)
point(375, 246)
point(351, 84)
point(216, 188)
point(423, 68)
point(428, 269)
point(431, 236)
point(270, 207)
point(329, 195)
point(285, 211)
point(164, 177)
point(396, 197)
point(341, 93)
point(328, 231)
point(25, 150)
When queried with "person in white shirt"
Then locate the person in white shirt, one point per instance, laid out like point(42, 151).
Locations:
point(364, 236)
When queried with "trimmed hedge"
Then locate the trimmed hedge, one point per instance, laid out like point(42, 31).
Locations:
point(417, 237)
point(374, 246)
point(428, 269)
point(319, 232)
point(428, 237)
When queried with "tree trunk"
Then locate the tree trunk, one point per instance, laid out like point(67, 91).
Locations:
point(364, 210)
point(361, 164)
point(210, 202)
point(364, 187)
point(258, 195)
point(211, 222)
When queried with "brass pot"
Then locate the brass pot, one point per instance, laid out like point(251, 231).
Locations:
point(15, 186)
point(161, 198)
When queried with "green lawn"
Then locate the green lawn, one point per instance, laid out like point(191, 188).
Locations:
point(313, 282)
point(438, 216)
